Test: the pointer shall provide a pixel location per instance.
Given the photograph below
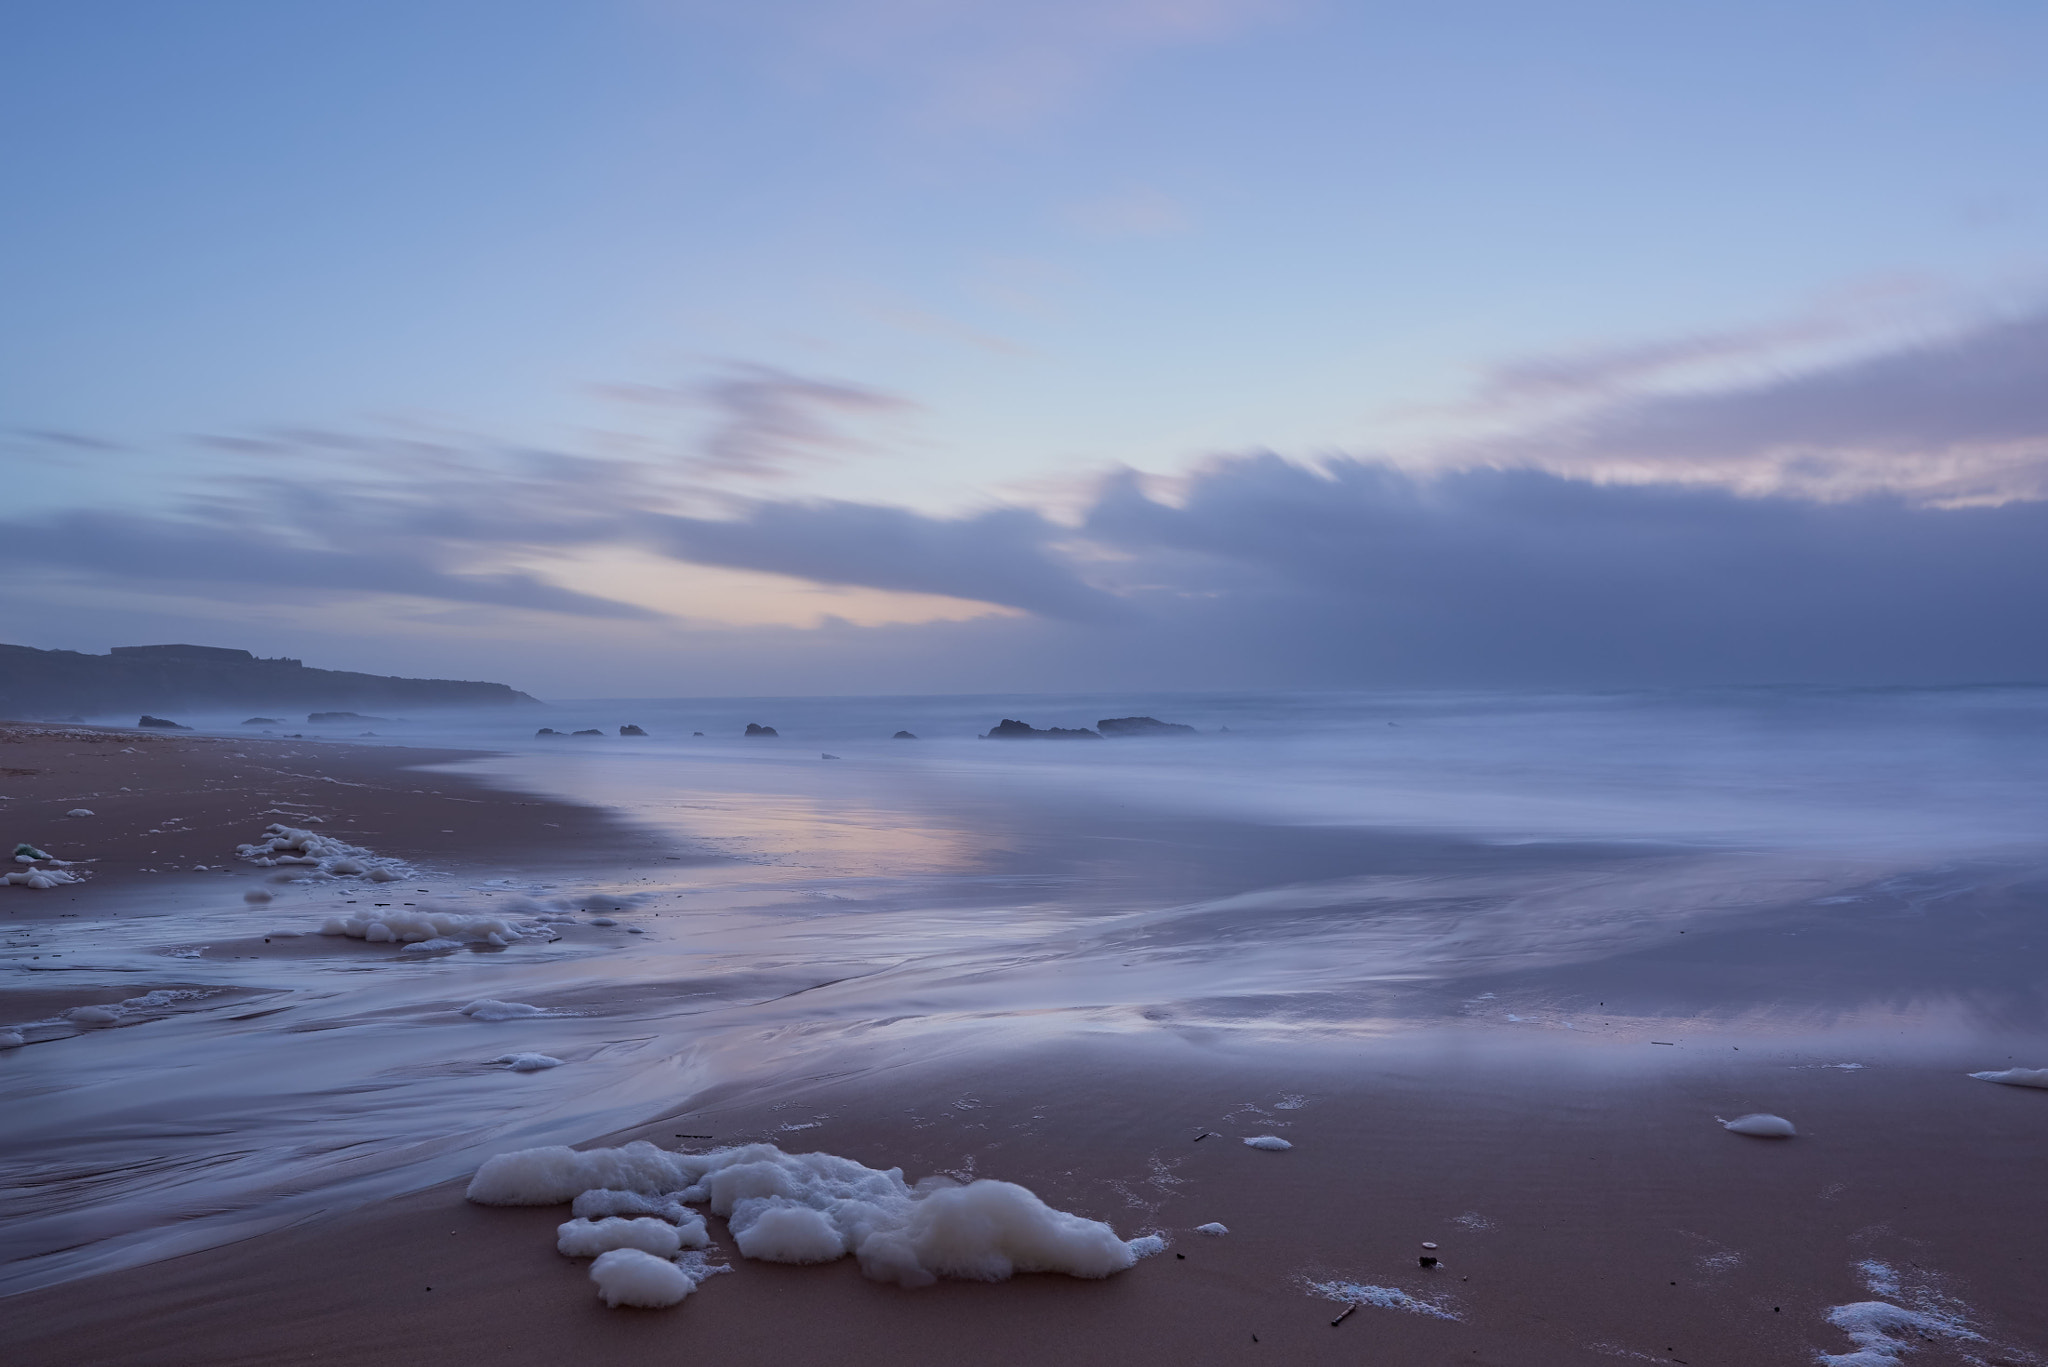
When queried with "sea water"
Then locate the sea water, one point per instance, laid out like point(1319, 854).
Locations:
point(1353, 865)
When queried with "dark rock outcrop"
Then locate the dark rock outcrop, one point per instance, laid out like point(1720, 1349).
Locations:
point(182, 677)
point(546, 731)
point(161, 723)
point(1143, 726)
point(317, 718)
point(631, 730)
point(903, 735)
point(756, 729)
point(1017, 730)
point(264, 721)
point(593, 731)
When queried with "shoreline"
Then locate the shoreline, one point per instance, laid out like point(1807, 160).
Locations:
point(1583, 1214)
point(225, 791)
point(1589, 1157)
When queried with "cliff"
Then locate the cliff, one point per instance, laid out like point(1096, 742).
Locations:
point(165, 679)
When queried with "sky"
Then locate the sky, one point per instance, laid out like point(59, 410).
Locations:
point(654, 347)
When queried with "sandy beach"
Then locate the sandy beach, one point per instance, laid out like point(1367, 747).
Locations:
point(1585, 1206)
point(1549, 1123)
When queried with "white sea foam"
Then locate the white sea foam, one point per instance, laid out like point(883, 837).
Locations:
point(1884, 1332)
point(804, 1208)
point(92, 1015)
point(165, 996)
point(490, 1009)
point(1384, 1297)
point(2016, 1077)
point(1267, 1141)
point(1761, 1125)
point(40, 879)
point(597, 1204)
point(1212, 1228)
point(435, 946)
point(289, 845)
point(602, 1201)
point(79, 811)
point(11, 1039)
point(527, 1063)
point(416, 925)
point(627, 1276)
point(588, 1238)
point(1879, 1330)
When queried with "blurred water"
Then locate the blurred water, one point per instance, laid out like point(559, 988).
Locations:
point(1934, 769)
point(1355, 865)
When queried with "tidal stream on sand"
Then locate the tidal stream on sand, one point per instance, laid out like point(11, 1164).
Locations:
point(1417, 871)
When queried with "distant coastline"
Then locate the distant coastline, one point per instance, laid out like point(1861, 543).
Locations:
point(165, 678)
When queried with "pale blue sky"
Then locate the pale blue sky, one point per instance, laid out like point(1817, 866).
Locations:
point(946, 255)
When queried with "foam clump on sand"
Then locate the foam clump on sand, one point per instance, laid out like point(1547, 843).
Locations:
point(588, 1238)
point(2016, 1077)
point(434, 946)
point(627, 1276)
point(1384, 1297)
point(79, 811)
point(491, 1009)
point(40, 879)
point(1761, 1125)
point(1213, 1228)
point(1271, 1142)
point(11, 1039)
point(92, 1015)
point(600, 1203)
point(1878, 1329)
point(165, 996)
point(527, 1063)
point(288, 845)
point(816, 1208)
point(416, 925)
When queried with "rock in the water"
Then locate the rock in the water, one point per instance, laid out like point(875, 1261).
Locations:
point(631, 731)
point(319, 717)
point(592, 731)
point(264, 721)
point(756, 729)
point(161, 723)
point(1143, 726)
point(1017, 730)
point(547, 731)
point(903, 735)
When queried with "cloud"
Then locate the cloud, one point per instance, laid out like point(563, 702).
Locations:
point(770, 423)
point(65, 440)
point(1261, 572)
point(1359, 570)
point(243, 564)
point(1003, 556)
point(1876, 519)
point(1955, 418)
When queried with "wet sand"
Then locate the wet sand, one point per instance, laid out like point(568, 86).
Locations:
point(163, 802)
point(1586, 1205)
point(168, 810)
